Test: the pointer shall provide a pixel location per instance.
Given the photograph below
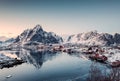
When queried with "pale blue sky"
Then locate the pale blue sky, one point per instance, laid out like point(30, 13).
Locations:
point(59, 16)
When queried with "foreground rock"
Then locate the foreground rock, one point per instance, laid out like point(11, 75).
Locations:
point(6, 62)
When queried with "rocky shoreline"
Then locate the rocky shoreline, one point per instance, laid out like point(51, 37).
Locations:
point(108, 55)
point(7, 62)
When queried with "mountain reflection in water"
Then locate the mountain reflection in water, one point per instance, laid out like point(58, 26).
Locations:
point(48, 66)
point(36, 58)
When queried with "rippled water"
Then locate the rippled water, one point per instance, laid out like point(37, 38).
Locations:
point(47, 66)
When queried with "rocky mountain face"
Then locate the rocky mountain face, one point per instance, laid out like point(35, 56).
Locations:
point(117, 38)
point(94, 38)
point(10, 40)
point(37, 34)
point(6, 42)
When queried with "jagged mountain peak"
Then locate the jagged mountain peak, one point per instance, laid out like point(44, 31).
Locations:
point(94, 38)
point(92, 31)
point(37, 34)
point(37, 28)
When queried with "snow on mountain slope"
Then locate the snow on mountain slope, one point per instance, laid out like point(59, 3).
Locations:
point(92, 38)
point(117, 38)
point(37, 34)
point(10, 40)
point(64, 38)
point(7, 42)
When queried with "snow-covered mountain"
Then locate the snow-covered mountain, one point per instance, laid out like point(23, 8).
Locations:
point(93, 38)
point(7, 42)
point(117, 38)
point(37, 34)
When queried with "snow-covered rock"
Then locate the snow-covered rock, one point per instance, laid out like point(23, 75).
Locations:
point(37, 34)
point(10, 40)
point(93, 38)
point(4, 58)
point(114, 57)
point(117, 38)
point(7, 42)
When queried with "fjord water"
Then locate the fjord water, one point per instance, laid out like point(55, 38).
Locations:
point(47, 66)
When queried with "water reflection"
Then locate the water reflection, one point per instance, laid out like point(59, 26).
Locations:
point(51, 66)
point(36, 58)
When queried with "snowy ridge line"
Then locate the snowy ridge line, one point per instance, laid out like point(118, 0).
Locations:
point(93, 38)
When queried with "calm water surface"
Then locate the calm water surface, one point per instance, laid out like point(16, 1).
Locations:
point(47, 66)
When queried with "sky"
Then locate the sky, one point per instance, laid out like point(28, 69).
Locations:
point(59, 16)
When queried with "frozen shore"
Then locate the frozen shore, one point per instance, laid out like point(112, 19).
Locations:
point(6, 61)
